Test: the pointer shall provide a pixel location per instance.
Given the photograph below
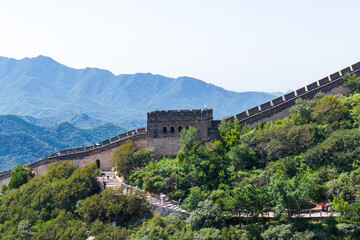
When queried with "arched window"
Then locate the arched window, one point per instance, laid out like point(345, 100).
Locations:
point(180, 129)
point(172, 129)
point(97, 163)
point(164, 129)
point(187, 127)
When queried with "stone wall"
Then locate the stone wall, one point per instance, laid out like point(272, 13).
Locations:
point(280, 107)
point(163, 128)
point(5, 178)
point(99, 153)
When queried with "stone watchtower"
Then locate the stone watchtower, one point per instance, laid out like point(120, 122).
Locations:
point(163, 128)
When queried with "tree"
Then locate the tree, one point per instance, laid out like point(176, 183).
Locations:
point(280, 232)
point(352, 80)
point(329, 109)
point(208, 234)
point(123, 158)
point(339, 204)
point(17, 180)
point(301, 112)
point(111, 205)
point(188, 139)
point(242, 157)
point(350, 213)
point(20, 176)
point(24, 229)
point(196, 195)
point(207, 215)
point(291, 194)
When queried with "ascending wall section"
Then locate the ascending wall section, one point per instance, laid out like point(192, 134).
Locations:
point(280, 107)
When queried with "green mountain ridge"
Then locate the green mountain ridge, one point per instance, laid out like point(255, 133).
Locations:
point(22, 142)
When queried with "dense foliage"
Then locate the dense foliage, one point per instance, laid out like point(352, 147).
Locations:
point(65, 203)
point(228, 185)
point(311, 156)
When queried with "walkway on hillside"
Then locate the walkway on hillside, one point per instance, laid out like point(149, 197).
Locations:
point(116, 182)
point(153, 199)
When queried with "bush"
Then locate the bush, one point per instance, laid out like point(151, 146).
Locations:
point(280, 232)
point(207, 215)
point(208, 234)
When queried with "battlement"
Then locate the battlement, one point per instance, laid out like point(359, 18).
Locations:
point(77, 150)
point(163, 115)
point(329, 84)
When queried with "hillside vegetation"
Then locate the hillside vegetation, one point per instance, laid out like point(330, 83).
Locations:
point(22, 142)
point(309, 157)
point(65, 203)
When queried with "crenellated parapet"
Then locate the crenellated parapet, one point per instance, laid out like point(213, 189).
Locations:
point(101, 144)
point(271, 110)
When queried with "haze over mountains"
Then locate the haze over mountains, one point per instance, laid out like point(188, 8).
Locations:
point(50, 92)
point(44, 94)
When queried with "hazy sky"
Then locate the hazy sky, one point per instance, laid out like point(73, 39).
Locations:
point(239, 45)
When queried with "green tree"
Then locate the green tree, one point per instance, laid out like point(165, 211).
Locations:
point(291, 194)
point(24, 229)
point(352, 80)
point(112, 205)
point(17, 180)
point(301, 112)
point(208, 234)
point(330, 109)
point(20, 176)
point(242, 157)
point(188, 138)
point(124, 159)
point(207, 215)
point(280, 232)
point(350, 213)
point(195, 197)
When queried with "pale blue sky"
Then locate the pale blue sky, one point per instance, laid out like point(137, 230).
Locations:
point(239, 45)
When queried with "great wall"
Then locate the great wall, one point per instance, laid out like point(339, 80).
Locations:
point(163, 127)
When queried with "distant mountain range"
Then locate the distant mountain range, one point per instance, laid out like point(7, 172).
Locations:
point(46, 92)
point(58, 107)
point(22, 142)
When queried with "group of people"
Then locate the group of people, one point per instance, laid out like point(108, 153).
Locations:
point(108, 177)
point(325, 207)
point(163, 199)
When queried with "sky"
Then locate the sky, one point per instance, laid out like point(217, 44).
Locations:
point(239, 45)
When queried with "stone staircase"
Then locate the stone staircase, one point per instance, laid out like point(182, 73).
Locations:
point(155, 205)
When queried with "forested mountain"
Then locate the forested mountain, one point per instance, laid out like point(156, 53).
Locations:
point(43, 88)
point(22, 142)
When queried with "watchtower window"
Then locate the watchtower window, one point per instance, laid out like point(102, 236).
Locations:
point(172, 129)
point(180, 129)
point(164, 129)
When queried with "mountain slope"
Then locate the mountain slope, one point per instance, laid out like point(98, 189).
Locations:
point(43, 88)
point(22, 142)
